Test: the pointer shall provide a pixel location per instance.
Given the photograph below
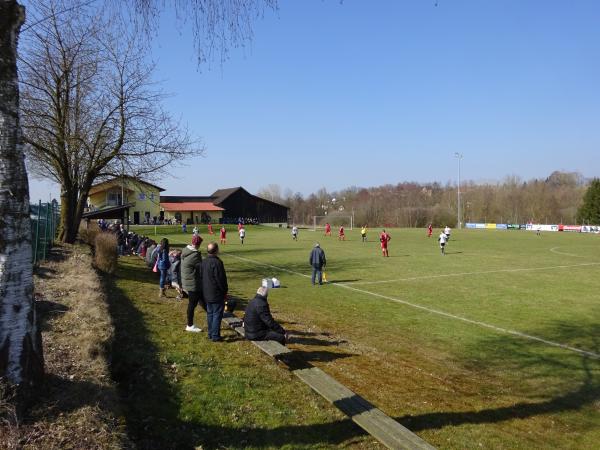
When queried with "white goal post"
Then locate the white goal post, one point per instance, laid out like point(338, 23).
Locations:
point(334, 220)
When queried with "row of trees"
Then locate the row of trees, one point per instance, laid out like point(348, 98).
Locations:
point(555, 199)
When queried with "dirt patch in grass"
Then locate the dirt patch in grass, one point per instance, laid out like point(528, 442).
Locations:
point(78, 407)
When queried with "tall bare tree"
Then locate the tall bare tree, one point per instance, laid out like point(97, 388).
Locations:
point(90, 109)
point(21, 358)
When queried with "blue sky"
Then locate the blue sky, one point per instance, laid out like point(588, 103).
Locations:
point(371, 92)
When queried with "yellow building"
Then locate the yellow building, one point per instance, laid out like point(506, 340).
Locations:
point(143, 197)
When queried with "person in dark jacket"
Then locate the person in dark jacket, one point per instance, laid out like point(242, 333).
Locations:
point(317, 261)
point(259, 324)
point(214, 290)
point(191, 280)
point(163, 265)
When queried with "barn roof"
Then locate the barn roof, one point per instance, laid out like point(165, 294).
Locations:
point(221, 195)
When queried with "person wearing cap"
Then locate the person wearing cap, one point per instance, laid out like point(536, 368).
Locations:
point(214, 290)
point(317, 260)
point(259, 324)
point(191, 280)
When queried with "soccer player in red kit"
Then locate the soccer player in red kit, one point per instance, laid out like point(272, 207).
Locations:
point(341, 235)
point(210, 230)
point(384, 238)
point(429, 230)
point(327, 229)
point(240, 226)
point(223, 235)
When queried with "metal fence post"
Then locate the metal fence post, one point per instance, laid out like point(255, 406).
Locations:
point(37, 233)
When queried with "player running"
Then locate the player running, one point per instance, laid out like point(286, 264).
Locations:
point(327, 229)
point(242, 233)
point(223, 235)
point(363, 233)
point(341, 234)
point(447, 233)
point(295, 233)
point(384, 238)
point(429, 230)
point(443, 239)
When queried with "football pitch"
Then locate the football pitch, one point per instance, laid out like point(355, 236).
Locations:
point(494, 345)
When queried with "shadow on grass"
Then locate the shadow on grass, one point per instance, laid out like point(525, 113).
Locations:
point(151, 403)
point(580, 374)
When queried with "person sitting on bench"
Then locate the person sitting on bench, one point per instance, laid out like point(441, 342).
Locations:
point(259, 324)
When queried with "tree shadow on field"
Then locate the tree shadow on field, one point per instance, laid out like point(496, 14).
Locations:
point(152, 404)
point(569, 381)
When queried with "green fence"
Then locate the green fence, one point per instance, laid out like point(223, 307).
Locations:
point(44, 220)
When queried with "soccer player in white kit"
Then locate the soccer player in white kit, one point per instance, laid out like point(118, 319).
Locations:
point(447, 233)
point(443, 239)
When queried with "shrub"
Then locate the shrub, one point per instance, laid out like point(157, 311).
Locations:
point(106, 252)
point(88, 235)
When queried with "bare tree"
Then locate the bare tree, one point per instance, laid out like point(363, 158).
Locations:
point(21, 358)
point(90, 110)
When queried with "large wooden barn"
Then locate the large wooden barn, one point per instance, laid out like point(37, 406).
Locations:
point(223, 206)
point(239, 203)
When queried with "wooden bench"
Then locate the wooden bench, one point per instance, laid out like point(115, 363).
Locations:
point(371, 419)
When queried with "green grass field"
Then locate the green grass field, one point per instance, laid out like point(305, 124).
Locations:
point(495, 345)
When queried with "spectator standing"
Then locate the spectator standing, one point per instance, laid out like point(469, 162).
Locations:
point(214, 290)
point(191, 280)
point(175, 272)
point(259, 324)
point(163, 265)
point(317, 260)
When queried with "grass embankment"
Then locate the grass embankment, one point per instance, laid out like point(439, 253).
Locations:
point(182, 391)
point(458, 384)
point(78, 407)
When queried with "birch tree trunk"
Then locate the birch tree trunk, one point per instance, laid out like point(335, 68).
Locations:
point(21, 358)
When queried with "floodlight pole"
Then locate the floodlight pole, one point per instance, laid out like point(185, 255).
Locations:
point(458, 156)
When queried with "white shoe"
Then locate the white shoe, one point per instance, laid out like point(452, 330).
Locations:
point(193, 329)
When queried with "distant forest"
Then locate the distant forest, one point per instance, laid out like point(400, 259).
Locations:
point(554, 199)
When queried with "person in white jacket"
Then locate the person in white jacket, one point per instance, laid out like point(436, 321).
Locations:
point(442, 240)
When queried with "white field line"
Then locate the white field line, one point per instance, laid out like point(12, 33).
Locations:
point(554, 250)
point(460, 274)
point(435, 311)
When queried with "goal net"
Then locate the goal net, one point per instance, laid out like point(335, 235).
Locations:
point(335, 221)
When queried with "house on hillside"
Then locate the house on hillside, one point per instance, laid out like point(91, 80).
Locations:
point(140, 198)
